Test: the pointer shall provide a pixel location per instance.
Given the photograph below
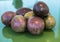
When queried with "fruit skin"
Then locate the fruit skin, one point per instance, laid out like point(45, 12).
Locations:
point(18, 23)
point(29, 14)
point(49, 22)
point(7, 17)
point(22, 11)
point(41, 9)
point(35, 25)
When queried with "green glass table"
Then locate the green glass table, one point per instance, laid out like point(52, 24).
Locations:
point(8, 35)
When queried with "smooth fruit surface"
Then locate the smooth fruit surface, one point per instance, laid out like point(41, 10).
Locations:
point(7, 17)
point(18, 23)
point(35, 25)
point(41, 9)
point(29, 14)
point(22, 11)
point(50, 22)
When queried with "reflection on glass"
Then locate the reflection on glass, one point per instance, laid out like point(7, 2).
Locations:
point(17, 3)
point(10, 34)
point(47, 36)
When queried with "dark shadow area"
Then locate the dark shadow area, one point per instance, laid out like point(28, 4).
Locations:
point(48, 30)
point(17, 3)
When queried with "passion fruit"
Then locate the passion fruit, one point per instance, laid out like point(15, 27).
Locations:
point(41, 9)
point(7, 17)
point(29, 14)
point(35, 25)
point(18, 23)
point(49, 22)
point(22, 11)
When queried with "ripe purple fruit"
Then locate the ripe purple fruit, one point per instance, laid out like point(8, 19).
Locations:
point(7, 17)
point(18, 23)
point(22, 11)
point(35, 25)
point(41, 9)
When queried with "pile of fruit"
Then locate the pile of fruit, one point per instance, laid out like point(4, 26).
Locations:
point(35, 21)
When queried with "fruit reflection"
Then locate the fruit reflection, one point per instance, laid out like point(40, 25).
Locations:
point(10, 34)
point(47, 36)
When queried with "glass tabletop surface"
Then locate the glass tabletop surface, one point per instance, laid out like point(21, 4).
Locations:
point(8, 35)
